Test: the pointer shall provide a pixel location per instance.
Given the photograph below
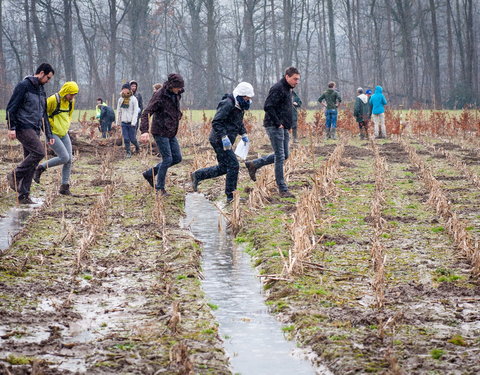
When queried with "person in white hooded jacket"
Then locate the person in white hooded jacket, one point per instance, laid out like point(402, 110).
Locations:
point(127, 116)
point(362, 112)
point(226, 126)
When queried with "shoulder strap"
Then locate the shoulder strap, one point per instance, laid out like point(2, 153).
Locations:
point(57, 109)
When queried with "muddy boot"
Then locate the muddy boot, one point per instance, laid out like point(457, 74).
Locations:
point(25, 199)
point(252, 170)
point(327, 133)
point(363, 134)
point(65, 189)
point(38, 172)
point(333, 133)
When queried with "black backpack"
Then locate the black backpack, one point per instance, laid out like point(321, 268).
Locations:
point(109, 113)
point(58, 110)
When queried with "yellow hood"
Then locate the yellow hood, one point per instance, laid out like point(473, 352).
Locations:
point(69, 87)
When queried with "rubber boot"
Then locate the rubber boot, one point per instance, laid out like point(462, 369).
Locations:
point(333, 133)
point(65, 189)
point(327, 133)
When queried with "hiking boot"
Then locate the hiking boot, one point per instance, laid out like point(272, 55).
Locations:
point(163, 192)
point(25, 199)
point(38, 172)
point(65, 189)
point(148, 178)
point(11, 181)
point(195, 181)
point(252, 170)
point(286, 194)
point(229, 200)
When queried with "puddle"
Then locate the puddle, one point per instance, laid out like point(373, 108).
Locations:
point(253, 339)
point(13, 222)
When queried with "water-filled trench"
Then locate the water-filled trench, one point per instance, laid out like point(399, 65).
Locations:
point(253, 338)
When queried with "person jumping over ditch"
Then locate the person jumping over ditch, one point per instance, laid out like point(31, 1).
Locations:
point(60, 110)
point(278, 121)
point(164, 106)
point(226, 125)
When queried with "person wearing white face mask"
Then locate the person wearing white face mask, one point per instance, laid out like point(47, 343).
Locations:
point(226, 126)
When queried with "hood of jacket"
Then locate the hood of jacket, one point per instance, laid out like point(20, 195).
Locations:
point(363, 98)
point(69, 87)
point(243, 89)
point(378, 90)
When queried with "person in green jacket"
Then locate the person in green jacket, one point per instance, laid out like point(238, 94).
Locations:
point(331, 99)
point(297, 104)
point(362, 112)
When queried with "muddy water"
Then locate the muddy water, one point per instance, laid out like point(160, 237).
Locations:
point(253, 339)
point(13, 222)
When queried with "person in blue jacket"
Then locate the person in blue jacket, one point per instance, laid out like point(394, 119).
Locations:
point(378, 101)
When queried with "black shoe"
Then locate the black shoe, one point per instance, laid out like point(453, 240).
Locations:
point(195, 181)
point(25, 199)
point(286, 194)
point(148, 178)
point(38, 172)
point(252, 170)
point(65, 189)
point(163, 192)
point(11, 181)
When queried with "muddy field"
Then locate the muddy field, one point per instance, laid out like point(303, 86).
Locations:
point(108, 280)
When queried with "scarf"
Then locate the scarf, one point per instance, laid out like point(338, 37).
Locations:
point(126, 100)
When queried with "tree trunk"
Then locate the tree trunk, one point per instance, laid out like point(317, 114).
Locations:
point(331, 39)
point(213, 85)
point(436, 58)
point(3, 74)
point(70, 70)
point(451, 74)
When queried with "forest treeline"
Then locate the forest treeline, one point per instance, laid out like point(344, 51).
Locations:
point(423, 52)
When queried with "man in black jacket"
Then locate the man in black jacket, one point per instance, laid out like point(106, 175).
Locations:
point(26, 116)
point(278, 121)
point(226, 125)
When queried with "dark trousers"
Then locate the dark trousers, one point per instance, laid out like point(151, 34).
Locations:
point(279, 139)
point(171, 155)
point(129, 133)
point(227, 164)
point(34, 152)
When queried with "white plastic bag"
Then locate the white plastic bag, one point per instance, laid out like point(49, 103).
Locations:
point(242, 149)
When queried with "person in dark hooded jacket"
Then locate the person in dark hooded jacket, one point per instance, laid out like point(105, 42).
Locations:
point(361, 112)
point(26, 117)
point(164, 107)
point(226, 126)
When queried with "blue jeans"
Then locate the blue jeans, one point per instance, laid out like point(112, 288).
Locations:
point(279, 139)
point(129, 134)
point(331, 118)
point(171, 155)
point(63, 149)
point(227, 164)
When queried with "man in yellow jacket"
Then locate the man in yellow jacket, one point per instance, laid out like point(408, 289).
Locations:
point(59, 110)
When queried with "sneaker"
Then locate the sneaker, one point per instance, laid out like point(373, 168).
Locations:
point(11, 181)
point(286, 194)
point(25, 199)
point(252, 170)
point(195, 181)
point(128, 155)
point(38, 172)
point(148, 178)
point(65, 189)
